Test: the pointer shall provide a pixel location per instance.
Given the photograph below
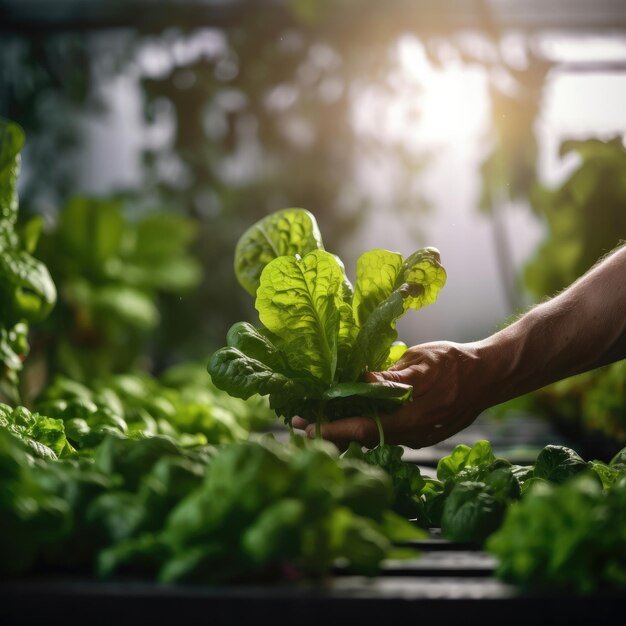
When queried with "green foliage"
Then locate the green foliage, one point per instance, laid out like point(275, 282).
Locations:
point(406, 478)
point(568, 537)
point(584, 216)
point(283, 233)
point(235, 512)
point(264, 504)
point(320, 334)
point(111, 271)
point(558, 464)
point(27, 292)
point(585, 220)
point(44, 436)
point(189, 412)
point(471, 512)
point(474, 489)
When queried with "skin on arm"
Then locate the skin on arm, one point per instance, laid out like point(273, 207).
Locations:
point(579, 329)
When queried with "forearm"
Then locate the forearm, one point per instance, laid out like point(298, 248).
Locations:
point(582, 328)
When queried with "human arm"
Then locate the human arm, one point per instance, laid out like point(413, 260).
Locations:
point(579, 329)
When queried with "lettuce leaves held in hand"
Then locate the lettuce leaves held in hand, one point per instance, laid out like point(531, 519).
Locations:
point(319, 334)
point(283, 233)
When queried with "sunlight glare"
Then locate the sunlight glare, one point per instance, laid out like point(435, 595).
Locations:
point(453, 102)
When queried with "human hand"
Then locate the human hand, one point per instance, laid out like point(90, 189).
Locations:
point(449, 391)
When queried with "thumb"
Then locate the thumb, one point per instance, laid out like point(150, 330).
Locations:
point(394, 376)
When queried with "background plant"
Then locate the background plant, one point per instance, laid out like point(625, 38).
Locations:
point(114, 270)
point(27, 292)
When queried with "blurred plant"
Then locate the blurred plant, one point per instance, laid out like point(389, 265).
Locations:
point(585, 220)
point(27, 292)
point(190, 411)
point(584, 216)
point(111, 270)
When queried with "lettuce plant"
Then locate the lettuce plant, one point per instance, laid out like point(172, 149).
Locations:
point(27, 292)
point(319, 334)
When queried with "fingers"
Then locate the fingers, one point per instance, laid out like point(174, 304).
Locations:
point(299, 422)
point(379, 377)
point(342, 432)
point(414, 375)
point(363, 430)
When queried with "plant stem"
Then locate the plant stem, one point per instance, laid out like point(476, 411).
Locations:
point(319, 418)
point(381, 432)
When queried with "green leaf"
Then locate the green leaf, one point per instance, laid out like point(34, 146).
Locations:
point(479, 455)
point(155, 254)
point(397, 350)
point(558, 464)
point(30, 233)
point(298, 300)
point(32, 290)
point(163, 235)
point(92, 230)
point(364, 399)
point(417, 284)
point(406, 478)
point(242, 376)
point(376, 274)
point(372, 345)
point(50, 432)
point(255, 345)
point(283, 233)
point(11, 143)
point(348, 328)
point(425, 277)
point(127, 304)
point(471, 513)
point(386, 390)
point(176, 274)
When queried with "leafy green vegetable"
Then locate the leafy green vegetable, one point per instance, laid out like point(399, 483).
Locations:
point(263, 504)
point(471, 512)
point(112, 268)
point(568, 537)
point(320, 335)
point(189, 412)
point(406, 477)
point(283, 233)
point(44, 436)
point(480, 454)
point(27, 292)
point(473, 491)
point(558, 464)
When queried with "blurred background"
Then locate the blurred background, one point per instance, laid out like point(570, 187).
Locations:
point(158, 131)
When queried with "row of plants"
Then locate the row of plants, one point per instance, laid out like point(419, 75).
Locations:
point(173, 478)
point(162, 507)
